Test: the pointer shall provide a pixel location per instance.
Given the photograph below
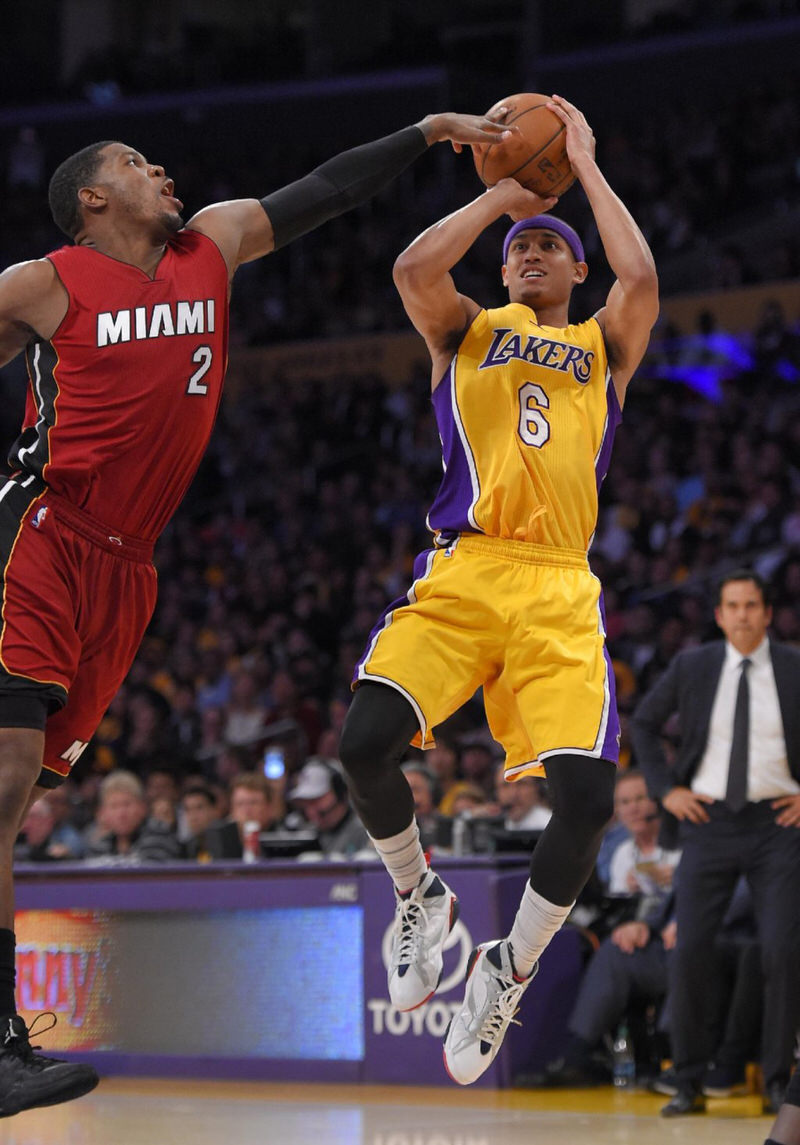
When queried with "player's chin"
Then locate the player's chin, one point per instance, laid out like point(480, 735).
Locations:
point(172, 222)
point(529, 295)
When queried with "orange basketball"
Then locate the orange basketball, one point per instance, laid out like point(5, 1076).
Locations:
point(536, 156)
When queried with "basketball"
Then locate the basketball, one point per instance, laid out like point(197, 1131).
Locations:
point(536, 157)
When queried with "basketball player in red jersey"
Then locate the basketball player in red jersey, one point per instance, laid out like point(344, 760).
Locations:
point(125, 335)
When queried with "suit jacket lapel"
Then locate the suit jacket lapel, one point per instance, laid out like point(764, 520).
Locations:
point(704, 687)
point(786, 685)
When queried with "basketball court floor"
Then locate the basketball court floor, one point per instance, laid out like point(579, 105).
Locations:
point(166, 1112)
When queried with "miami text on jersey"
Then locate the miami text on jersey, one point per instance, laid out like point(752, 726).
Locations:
point(540, 352)
point(162, 320)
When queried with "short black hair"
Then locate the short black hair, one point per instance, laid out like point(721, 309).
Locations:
point(202, 790)
point(743, 575)
point(75, 172)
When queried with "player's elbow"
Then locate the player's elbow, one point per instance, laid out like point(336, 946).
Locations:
point(645, 284)
point(406, 269)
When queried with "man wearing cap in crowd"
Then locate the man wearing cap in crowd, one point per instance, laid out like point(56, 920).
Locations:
point(526, 405)
point(320, 794)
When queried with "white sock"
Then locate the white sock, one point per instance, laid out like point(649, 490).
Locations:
point(403, 857)
point(536, 922)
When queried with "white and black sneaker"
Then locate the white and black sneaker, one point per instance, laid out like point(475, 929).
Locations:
point(423, 919)
point(476, 1032)
point(28, 1079)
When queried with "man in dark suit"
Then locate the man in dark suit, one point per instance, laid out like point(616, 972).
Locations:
point(734, 788)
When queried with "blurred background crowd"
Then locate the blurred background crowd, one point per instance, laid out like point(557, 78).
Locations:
point(309, 508)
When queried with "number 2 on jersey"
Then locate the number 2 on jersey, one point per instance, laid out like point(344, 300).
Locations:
point(203, 355)
point(534, 428)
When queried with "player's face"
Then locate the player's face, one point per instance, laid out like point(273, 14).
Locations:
point(139, 189)
point(541, 268)
point(742, 615)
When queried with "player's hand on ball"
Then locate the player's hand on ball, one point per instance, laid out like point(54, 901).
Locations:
point(461, 129)
point(520, 203)
point(580, 137)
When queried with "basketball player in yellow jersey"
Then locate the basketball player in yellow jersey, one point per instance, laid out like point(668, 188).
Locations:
point(526, 406)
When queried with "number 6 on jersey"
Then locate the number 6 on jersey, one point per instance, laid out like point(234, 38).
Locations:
point(534, 428)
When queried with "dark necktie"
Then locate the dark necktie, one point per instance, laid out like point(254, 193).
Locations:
point(736, 793)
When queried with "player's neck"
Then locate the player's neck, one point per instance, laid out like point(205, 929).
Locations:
point(141, 251)
point(557, 315)
point(547, 313)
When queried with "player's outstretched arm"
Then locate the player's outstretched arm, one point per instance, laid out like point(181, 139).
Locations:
point(632, 305)
point(422, 272)
point(33, 303)
point(245, 229)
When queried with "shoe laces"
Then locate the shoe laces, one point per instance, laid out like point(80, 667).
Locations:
point(410, 923)
point(21, 1043)
point(502, 1011)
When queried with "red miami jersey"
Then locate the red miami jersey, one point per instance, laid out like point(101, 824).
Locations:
point(123, 397)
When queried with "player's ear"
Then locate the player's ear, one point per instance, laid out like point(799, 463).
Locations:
point(94, 198)
point(504, 274)
point(581, 273)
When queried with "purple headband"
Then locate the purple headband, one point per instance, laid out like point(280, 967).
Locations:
point(550, 223)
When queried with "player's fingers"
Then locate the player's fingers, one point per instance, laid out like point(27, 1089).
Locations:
point(570, 108)
point(498, 114)
point(558, 110)
point(495, 128)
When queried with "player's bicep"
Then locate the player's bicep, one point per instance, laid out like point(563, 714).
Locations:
point(240, 227)
point(434, 306)
point(33, 303)
point(626, 321)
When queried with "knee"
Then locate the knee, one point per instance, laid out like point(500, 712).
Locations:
point(21, 752)
point(378, 728)
point(597, 808)
point(588, 812)
point(582, 791)
point(358, 746)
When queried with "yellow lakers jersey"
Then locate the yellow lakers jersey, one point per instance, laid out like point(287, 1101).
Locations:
point(526, 416)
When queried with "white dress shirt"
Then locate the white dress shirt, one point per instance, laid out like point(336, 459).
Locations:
point(768, 774)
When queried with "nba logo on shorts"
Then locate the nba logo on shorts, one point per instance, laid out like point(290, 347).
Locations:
point(38, 520)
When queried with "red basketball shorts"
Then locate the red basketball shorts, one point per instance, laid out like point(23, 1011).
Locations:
point(77, 599)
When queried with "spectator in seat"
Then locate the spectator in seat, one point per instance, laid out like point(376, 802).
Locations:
point(126, 835)
point(320, 794)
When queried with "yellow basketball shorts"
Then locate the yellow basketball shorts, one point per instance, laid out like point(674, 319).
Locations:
point(523, 621)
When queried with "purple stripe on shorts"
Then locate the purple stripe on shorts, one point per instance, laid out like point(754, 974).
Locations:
point(420, 571)
point(450, 509)
point(610, 749)
point(613, 419)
